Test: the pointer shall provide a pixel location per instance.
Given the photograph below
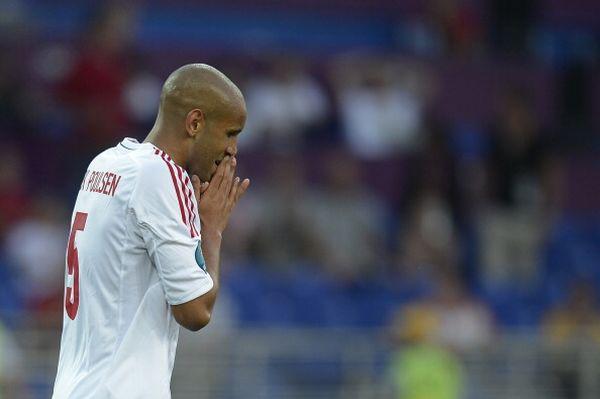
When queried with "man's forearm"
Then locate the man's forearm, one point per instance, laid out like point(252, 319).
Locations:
point(211, 249)
point(196, 313)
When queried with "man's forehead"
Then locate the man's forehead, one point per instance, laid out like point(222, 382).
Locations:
point(235, 109)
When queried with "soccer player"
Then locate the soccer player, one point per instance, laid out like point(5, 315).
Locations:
point(137, 266)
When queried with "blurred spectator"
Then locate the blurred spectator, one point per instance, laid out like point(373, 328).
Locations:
point(11, 365)
point(434, 168)
point(429, 240)
point(141, 95)
point(93, 89)
point(462, 322)
point(457, 23)
point(465, 323)
point(347, 220)
point(381, 105)
point(573, 323)
point(577, 319)
point(14, 199)
point(35, 246)
point(516, 151)
point(420, 367)
point(11, 117)
point(283, 106)
point(272, 225)
point(576, 93)
point(432, 333)
point(429, 243)
point(512, 227)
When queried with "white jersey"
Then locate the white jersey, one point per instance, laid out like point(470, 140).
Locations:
point(134, 249)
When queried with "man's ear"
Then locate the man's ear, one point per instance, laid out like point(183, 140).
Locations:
point(194, 122)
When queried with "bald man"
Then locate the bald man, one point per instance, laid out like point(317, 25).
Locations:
point(137, 267)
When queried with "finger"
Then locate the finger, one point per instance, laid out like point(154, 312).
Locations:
point(197, 186)
point(217, 179)
point(242, 189)
point(225, 173)
point(234, 190)
point(232, 166)
point(225, 186)
point(204, 187)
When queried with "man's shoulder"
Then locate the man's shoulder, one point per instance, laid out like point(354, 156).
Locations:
point(156, 172)
point(155, 165)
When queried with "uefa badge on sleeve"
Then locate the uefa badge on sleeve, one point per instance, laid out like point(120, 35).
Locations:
point(200, 257)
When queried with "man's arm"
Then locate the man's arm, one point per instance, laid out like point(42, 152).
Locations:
point(216, 200)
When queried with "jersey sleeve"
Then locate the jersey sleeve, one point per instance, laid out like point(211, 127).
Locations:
point(165, 209)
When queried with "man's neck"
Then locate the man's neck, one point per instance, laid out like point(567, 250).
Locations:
point(164, 141)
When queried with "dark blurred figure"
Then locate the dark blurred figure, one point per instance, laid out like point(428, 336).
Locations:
point(93, 89)
point(347, 220)
point(516, 151)
point(512, 23)
point(11, 118)
point(571, 324)
point(428, 240)
point(459, 25)
point(272, 225)
point(14, 198)
point(575, 102)
point(514, 222)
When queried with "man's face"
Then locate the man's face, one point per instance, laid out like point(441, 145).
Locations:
point(218, 140)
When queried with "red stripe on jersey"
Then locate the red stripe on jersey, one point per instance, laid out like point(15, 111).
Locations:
point(183, 217)
point(186, 196)
point(193, 217)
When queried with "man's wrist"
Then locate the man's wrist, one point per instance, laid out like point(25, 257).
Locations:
point(211, 233)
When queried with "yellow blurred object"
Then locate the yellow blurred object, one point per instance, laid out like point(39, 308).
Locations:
point(417, 323)
point(562, 327)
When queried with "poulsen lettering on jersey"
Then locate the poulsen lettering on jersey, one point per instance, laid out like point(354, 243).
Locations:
point(100, 182)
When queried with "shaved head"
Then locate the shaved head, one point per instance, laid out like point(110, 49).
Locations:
point(200, 115)
point(199, 86)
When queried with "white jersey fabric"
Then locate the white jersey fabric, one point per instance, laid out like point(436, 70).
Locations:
point(134, 249)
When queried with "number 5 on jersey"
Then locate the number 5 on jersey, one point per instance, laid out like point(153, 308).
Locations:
point(72, 284)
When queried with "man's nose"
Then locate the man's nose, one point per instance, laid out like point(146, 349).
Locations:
point(231, 151)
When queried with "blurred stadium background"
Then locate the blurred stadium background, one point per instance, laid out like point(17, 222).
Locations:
point(424, 219)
